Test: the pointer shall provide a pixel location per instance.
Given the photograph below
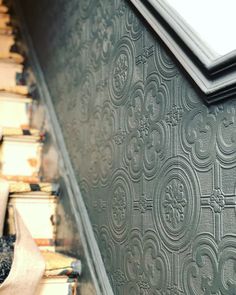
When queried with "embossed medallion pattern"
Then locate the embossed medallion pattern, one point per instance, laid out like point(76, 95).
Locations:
point(177, 199)
point(155, 164)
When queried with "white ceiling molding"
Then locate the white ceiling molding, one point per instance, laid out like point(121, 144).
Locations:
point(215, 75)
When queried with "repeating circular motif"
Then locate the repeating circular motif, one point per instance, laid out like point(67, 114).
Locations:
point(85, 96)
point(211, 266)
point(189, 98)
point(198, 136)
point(143, 155)
point(147, 134)
point(85, 8)
point(103, 32)
point(164, 63)
point(106, 161)
point(133, 24)
point(121, 71)
point(146, 265)
point(177, 203)
point(99, 163)
point(100, 144)
point(121, 192)
point(107, 248)
point(226, 132)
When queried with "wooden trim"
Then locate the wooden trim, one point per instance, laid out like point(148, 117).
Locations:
point(215, 76)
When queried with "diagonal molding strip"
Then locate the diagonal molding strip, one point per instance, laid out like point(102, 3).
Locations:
point(215, 77)
point(91, 249)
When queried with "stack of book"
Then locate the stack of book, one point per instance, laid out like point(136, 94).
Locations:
point(36, 203)
point(22, 106)
point(20, 164)
point(20, 154)
point(61, 274)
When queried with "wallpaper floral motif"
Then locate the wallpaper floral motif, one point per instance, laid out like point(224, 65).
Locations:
point(155, 164)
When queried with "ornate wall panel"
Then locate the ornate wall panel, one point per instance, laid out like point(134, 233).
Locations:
point(155, 164)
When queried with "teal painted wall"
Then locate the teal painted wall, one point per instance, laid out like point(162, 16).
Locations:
point(155, 164)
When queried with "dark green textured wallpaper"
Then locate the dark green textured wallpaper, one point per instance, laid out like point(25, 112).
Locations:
point(155, 164)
